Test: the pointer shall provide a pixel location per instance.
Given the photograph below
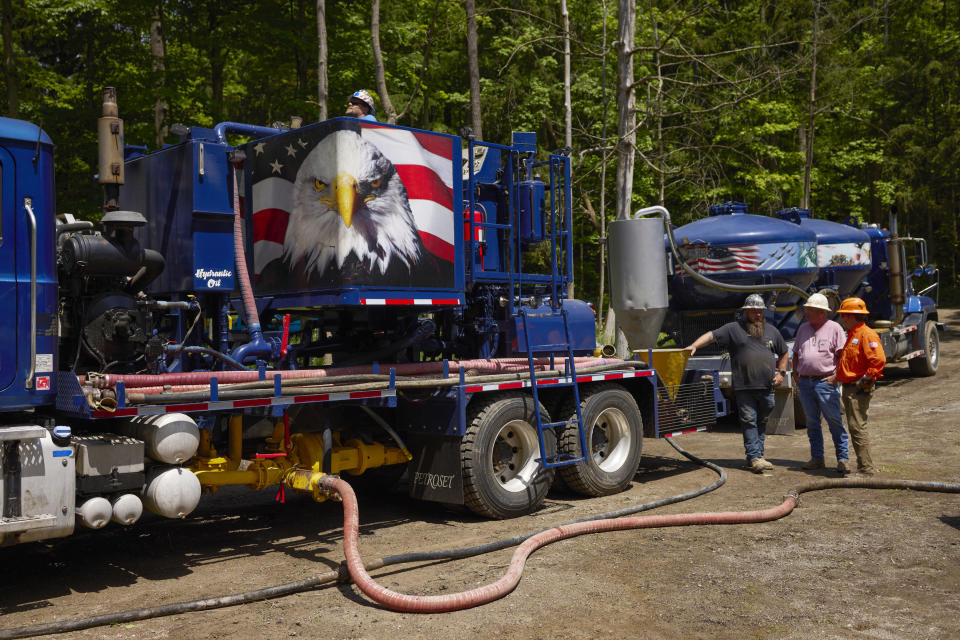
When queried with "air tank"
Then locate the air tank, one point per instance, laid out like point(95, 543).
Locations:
point(733, 247)
point(843, 251)
point(172, 437)
point(171, 492)
point(95, 513)
point(638, 278)
point(127, 509)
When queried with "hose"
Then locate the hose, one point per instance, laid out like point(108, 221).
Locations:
point(341, 575)
point(487, 593)
point(498, 365)
point(328, 385)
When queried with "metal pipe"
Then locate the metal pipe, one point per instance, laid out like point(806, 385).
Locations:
point(252, 130)
point(32, 229)
point(235, 439)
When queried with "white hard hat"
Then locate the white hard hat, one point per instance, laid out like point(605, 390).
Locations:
point(817, 301)
point(754, 301)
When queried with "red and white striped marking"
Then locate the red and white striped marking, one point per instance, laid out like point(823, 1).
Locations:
point(909, 329)
point(915, 354)
point(194, 407)
point(520, 384)
point(374, 302)
point(684, 432)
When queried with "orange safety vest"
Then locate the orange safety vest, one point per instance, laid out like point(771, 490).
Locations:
point(862, 355)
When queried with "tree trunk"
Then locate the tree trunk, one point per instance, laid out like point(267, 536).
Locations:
point(603, 175)
point(812, 114)
point(158, 50)
point(473, 63)
point(626, 122)
point(661, 154)
point(388, 109)
point(9, 60)
point(567, 110)
point(322, 59)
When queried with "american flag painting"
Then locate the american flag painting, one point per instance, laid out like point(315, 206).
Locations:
point(772, 256)
point(708, 259)
point(348, 203)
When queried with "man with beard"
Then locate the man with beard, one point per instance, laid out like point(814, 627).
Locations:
point(758, 362)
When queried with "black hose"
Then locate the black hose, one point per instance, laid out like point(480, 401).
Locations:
point(340, 575)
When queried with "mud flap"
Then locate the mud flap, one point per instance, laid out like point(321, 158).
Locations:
point(435, 473)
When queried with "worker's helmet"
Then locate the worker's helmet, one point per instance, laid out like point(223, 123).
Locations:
point(817, 301)
point(854, 305)
point(754, 301)
point(364, 96)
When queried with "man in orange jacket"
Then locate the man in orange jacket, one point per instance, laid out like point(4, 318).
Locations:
point(861, 363)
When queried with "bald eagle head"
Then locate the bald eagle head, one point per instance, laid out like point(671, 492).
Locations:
point(348, 199)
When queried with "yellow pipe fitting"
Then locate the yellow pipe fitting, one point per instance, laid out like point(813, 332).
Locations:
point(235, 434)
point(307, 481)
point(206, 450)
point(258, 476)
point(275, 441)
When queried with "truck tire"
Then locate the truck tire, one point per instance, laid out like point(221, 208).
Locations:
point(613, 431)
point(926, 365)
point(503, 476)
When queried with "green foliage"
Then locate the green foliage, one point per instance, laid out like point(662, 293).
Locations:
point(723, 93)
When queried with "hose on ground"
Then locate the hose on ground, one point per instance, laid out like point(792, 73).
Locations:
point(475, 597)
point(342, 575)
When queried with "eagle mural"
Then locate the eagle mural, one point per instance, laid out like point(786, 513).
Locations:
point(348, 219)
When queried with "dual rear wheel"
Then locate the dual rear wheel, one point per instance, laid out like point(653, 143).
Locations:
point(503, 476)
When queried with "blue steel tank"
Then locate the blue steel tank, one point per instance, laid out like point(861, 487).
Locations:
point(843, 251)
point(734, 247)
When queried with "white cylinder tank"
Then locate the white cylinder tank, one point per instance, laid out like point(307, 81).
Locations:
point(95, 513)
point(171, 492)
point(172, 437)
point(127, 509)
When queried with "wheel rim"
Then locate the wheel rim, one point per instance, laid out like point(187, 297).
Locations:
point(515, 455)
point(610, 440)
point(933, 347)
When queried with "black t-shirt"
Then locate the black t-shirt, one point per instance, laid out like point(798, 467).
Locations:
point(752, 360)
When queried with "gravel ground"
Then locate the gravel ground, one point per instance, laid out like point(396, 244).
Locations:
point(849, 563)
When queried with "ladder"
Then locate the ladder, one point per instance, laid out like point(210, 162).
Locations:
point(558, 312)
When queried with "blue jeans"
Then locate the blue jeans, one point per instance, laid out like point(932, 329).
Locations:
point(753, 409)
point(820, 398)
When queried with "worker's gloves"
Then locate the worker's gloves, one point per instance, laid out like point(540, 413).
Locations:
point(865, 385)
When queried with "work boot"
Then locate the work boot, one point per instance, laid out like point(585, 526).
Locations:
point(813, 463)
point(842, 467)
point(759, 465)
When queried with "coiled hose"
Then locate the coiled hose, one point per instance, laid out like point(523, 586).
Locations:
point(341, 575)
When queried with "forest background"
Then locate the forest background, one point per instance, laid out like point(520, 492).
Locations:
point(845, 107)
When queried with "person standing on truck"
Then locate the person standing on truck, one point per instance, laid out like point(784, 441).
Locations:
point(360, 105)
point(860, 364)
point(758, 361)
point(816, 352)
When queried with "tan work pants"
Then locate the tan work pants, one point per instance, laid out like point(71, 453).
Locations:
point(856, 405)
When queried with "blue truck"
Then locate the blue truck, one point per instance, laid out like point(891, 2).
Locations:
point(263, 307)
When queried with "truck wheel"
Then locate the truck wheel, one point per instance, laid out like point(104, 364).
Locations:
point(926, 365)
point(500, 458)
point(613, 431)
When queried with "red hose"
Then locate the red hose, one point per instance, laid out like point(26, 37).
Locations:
point(500, 365)
point(506, 584)
point(250, 312)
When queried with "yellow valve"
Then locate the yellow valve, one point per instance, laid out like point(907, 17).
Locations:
point(307, 481)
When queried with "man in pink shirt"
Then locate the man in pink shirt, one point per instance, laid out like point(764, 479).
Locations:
point(816, 350)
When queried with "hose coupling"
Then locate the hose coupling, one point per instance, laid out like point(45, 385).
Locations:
point(795, 496)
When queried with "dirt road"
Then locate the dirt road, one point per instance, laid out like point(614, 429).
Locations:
point(846, 564)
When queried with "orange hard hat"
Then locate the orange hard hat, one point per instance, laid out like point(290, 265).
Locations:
point(853, 305)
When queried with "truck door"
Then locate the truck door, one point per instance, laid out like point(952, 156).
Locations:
point(8, 276)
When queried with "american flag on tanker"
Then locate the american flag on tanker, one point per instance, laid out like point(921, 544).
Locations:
point(704, 259)
point(423, 161)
